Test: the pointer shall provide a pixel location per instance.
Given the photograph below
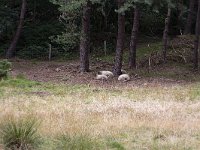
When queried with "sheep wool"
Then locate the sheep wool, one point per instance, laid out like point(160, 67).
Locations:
point(106, 73)
point(101, 77)
point(123, 71)
point(124, 77)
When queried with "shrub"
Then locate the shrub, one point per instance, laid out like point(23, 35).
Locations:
point(21, 134)
point(4, 68)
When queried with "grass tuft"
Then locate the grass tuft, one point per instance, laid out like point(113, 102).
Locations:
point(117, 146)
point(80, 142)
point(20, 134)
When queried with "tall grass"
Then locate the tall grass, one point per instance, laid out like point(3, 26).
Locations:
point(77, 142)
point(4, 68)
point(149, 116)
point(21, 134)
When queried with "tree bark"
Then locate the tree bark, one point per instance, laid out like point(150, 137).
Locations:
point(165, 35)
point(13, 3)
point(11, 50)
point(134, 37)
point(190, 18)
point(180, 10)
point(34, 10)
point(196, 41)
point(85, 38)
point(120, 40)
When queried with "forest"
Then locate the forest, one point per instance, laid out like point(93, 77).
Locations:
point(99, 74)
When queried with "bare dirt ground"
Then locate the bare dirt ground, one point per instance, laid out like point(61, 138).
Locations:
point(68, 72)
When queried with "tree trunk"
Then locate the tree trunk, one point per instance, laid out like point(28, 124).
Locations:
point(134, 37)
point(120, 41)
point(196, 42)
point(190, 18)
point(165, 35)
point(180, 10)
point(34, 10)
point(13, 3)
point(11, 50)
point(85, 38)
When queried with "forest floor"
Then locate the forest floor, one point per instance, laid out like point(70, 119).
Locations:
point(158, 109)
point(68, 72)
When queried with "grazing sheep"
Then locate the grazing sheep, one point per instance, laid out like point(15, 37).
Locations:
point(106, 73)
point(101, 77)
point(57, 69)
point(124, 77)
point(123, 71)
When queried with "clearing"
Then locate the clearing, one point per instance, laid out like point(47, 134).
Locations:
point(156, 110)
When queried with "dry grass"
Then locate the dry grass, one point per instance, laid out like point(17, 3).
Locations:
point(161, 117)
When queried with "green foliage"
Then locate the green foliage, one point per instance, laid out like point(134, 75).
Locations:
point(19, 82)
point(4, 68)
point(7, 16)
point(21, 134)
point(34, 51)
point(149, 20)
point(68, 41)
point(58, 22)
point(82, 142)
point(116, 145)
point(36, 39)
point(132, 3)
point(41, 22)
point(143, 50)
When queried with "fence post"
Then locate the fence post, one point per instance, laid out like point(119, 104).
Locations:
point(50, 51)
point(105, 48)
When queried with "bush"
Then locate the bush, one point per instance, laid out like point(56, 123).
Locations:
point(4, 68)
point(180, 49)
point(21, 134)
point(34, 51)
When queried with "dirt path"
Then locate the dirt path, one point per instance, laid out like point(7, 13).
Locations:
point(68, 72)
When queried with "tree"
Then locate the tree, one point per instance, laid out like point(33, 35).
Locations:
point(85, 38)
point(165, 34)
point(70, 12)
point(134, 37)
point(11, 50)
point(120, 40)
point(188, 26)
point(196, 42)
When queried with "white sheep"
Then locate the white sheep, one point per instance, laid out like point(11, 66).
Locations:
point(106, 73)
point(123, 71)
point(101, 77)
point(124, 77)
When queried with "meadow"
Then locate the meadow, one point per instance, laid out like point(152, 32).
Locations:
point(83, 116)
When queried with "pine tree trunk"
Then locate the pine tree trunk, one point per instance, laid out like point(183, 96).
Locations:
point(180, 10)
point(11, 50)
point(120, 41)
point(34, 10)
point(190, 18)
point(85, 38)
point(133, 42)
point(196, 42)
point(13, 3)
point(165, 35)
